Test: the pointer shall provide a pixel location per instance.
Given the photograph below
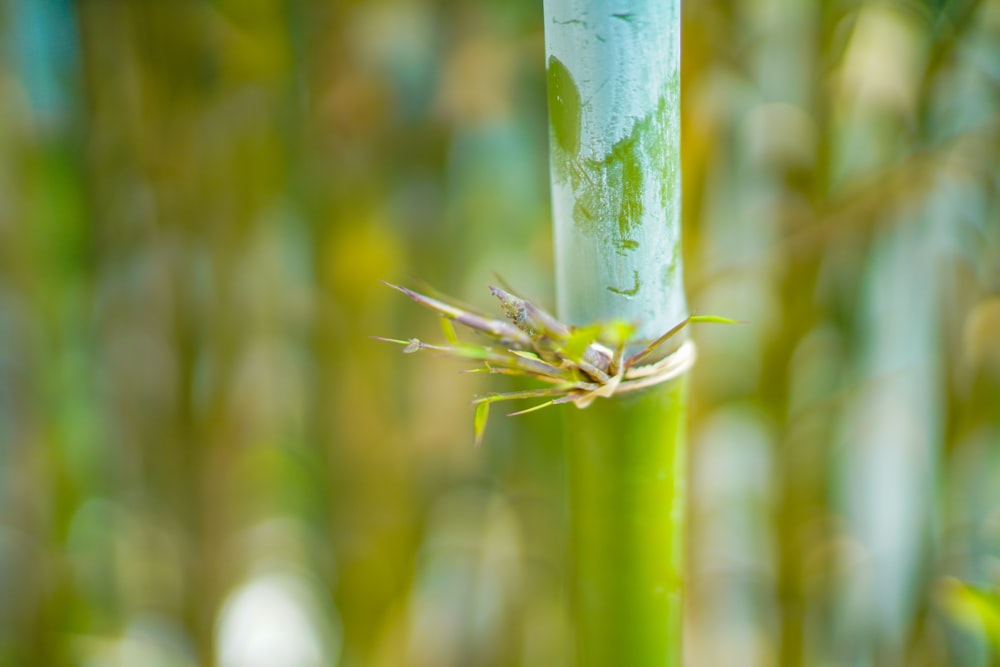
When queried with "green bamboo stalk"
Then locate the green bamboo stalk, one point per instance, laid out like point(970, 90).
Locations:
point(626, 469)
point(613, 81)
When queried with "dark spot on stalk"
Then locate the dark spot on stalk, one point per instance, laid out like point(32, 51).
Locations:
point(616, 188)
point(626, 16)
point(623, 246)
point(627, 155)
point(628, 292)
point(564, 108)
point(581, 212)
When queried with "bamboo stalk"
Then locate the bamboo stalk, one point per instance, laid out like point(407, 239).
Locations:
point(613, 80)
point(626, 471)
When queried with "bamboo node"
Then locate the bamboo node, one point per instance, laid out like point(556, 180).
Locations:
point(578, 364)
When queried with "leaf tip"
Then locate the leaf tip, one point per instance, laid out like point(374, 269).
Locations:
point(479, 423)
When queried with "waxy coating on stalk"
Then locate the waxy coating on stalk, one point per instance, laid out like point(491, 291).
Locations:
point(582, 363)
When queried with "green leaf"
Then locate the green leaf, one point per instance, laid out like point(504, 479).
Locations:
point(616, 332)
point(578, 342)
point(716, 319)
point(390, 340)
point(974, 608)
point(528, 393)
point(449, 331)
point(479, 423)
point(531, 409)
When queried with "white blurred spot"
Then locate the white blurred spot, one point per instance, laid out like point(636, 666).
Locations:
point(275, 620)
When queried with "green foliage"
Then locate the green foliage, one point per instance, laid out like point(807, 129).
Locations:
point(976, 609)
point(198, 199)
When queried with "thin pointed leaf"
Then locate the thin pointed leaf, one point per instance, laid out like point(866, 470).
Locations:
point(448, 329)
point(535, 408)
point(716, 319)
point(500, 370)
point(438, 295)
point(497, 370)
point(519, 395)
point(503, 370)
point(496, 328)
point(642, 354)
point(674, 330)
point(479, 423)
point(390, 340)
point(409, 346)
point(534, 367)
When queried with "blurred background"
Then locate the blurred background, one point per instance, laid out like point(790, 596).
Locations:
point(204, 459)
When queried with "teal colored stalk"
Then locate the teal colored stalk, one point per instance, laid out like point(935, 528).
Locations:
point(613, 81)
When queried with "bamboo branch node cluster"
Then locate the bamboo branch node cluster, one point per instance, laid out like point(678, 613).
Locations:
point(580, 363)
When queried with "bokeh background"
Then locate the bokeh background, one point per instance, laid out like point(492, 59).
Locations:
point(205, 460)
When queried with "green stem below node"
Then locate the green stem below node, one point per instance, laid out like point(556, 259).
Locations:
point(627, 477)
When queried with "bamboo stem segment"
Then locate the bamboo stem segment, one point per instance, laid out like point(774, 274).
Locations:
point(614, 120)
point(627, 488)
point(614, 116)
